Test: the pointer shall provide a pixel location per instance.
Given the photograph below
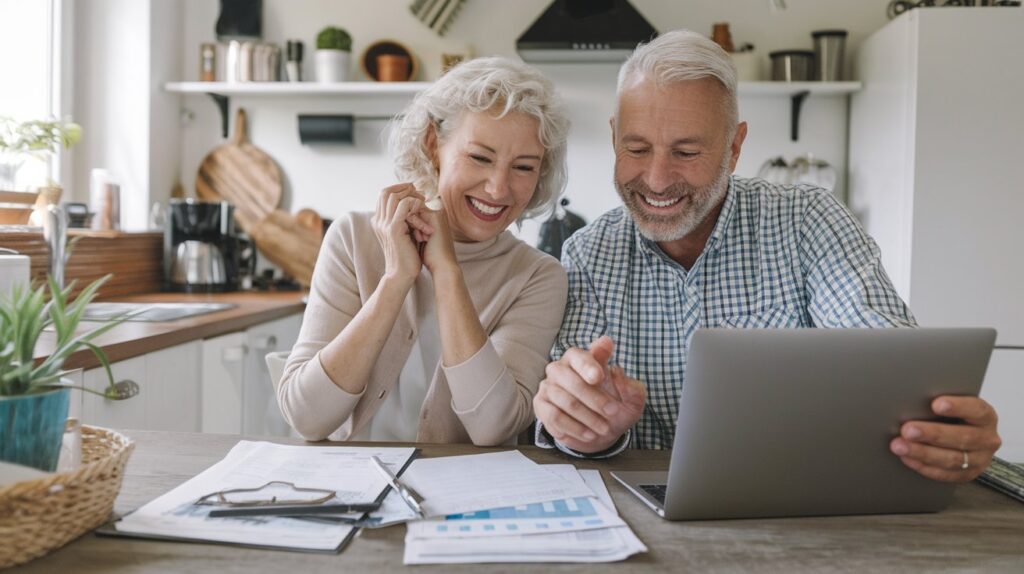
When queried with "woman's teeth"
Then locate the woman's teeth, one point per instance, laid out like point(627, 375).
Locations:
point(486, 209)
point(657, 203)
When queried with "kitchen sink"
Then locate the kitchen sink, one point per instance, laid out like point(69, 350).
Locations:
point(152, 312)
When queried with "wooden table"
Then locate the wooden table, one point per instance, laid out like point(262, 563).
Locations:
point(981, 531)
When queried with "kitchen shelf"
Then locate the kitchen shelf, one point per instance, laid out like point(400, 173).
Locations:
point(221, 92)
point(793, 88)
point(410, 88)
point(297, 88)
point(797, 92)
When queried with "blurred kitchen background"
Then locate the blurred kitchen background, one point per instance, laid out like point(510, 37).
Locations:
point(910, 111)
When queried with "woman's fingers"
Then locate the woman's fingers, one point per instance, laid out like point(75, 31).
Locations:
point(391, 195)
point(417, 222)
point(404, 208)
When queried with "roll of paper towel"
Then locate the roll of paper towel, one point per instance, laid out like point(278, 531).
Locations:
point(14, 270)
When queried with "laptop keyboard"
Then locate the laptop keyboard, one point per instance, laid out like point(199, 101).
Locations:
point(657, 491)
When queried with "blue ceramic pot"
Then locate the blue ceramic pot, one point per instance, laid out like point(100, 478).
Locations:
point(31, 428)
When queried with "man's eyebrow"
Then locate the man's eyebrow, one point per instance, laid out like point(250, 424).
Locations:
point(688, 140)
point(631, 138)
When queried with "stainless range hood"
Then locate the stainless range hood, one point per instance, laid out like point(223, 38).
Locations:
point(585, 31)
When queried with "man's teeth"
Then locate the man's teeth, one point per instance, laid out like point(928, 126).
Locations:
point(657, 203)
point(486, 209)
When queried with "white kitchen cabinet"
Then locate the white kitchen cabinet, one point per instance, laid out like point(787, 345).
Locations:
point(168, 399)
point(237, 394)
point(168, 396)
point(172, 388)
point(222, 376)
point(129, 414)
point(936, 144)
point(260, 413)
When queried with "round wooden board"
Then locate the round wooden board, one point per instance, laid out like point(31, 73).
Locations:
point(242, 174)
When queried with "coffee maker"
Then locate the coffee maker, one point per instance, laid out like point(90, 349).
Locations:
point(202, 251)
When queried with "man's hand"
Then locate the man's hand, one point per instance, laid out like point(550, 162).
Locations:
point(936, 450)
point(586, 405)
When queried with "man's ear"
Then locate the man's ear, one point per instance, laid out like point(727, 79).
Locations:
point(737, 143)
point(611, 124)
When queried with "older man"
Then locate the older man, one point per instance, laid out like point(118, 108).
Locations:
point(695, 246)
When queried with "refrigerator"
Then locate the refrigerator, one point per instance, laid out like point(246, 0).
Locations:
point(936, 175)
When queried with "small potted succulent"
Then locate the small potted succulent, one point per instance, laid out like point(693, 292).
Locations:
point(333, 54)
point(33, 395)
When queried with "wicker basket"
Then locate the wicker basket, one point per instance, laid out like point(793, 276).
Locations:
point(41, 515)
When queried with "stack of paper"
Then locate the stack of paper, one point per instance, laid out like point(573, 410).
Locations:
point(345, 470)
point(1006, 477)
point(502, 507)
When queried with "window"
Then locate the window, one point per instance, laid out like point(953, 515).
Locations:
point(29, 80)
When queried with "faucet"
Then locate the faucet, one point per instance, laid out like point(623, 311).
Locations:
point(55, 232)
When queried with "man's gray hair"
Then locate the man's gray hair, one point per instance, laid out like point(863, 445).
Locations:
point(497, 85)
point(682, 55)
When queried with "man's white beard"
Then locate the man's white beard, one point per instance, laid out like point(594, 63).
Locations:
point(702, 200)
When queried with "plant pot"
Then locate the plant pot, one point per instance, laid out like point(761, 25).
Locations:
point(32, 427)
point(10, 163)
point(332, 65)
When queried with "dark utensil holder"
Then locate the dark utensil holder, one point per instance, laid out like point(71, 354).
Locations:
point(329, 129)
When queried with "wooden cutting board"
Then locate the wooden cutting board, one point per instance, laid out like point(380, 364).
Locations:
point(292, 242)
point(242, 174)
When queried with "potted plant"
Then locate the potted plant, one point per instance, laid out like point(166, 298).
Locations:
point(33, 138)
point(33, 396)
point(333, 54)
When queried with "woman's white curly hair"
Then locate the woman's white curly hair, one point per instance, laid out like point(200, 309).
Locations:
point(497, 85)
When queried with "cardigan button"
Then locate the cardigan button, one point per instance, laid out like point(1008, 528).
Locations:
point(381, 395)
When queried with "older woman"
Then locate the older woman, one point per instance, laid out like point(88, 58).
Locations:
point(434, 325)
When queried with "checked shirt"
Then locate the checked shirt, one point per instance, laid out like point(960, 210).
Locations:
point(779, 257)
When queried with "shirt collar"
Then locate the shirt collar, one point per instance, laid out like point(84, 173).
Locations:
point(724, 217)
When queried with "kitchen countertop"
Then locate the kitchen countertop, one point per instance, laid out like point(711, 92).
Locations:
point(132, 339)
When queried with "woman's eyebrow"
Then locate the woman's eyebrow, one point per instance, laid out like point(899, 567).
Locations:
point(495, 152)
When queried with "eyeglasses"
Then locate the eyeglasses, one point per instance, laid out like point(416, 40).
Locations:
point(273, 493)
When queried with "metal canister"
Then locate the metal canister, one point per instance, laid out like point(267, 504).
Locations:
point(828, 54)
point(792, 65)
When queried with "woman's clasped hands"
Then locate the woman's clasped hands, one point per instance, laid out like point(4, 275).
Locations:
point(411, 234)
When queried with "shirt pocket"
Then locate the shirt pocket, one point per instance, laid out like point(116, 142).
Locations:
point(778, 317)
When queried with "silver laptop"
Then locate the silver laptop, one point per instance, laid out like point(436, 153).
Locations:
point(797, 422)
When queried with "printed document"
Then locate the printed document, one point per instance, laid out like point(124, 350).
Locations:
point(345, 470)
point(459, 484)
point(426, 543)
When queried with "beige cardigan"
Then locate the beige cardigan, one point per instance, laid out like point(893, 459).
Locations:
point(518, 291)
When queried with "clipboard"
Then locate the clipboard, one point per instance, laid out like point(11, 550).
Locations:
point(109, 530)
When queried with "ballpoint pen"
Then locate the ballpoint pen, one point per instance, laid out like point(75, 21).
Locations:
point(409, 496)
point(295, 510)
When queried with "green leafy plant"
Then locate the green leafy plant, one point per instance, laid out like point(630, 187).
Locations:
point(331, 38)
point(24, 314)
point(37, 136)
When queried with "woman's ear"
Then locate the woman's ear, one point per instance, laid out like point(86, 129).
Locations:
point(430, 146)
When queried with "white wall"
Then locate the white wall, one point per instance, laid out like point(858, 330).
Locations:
point(124, 52)
point(333, 180)
point(112, 100)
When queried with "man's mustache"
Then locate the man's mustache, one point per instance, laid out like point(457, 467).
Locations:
point(673, 191)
